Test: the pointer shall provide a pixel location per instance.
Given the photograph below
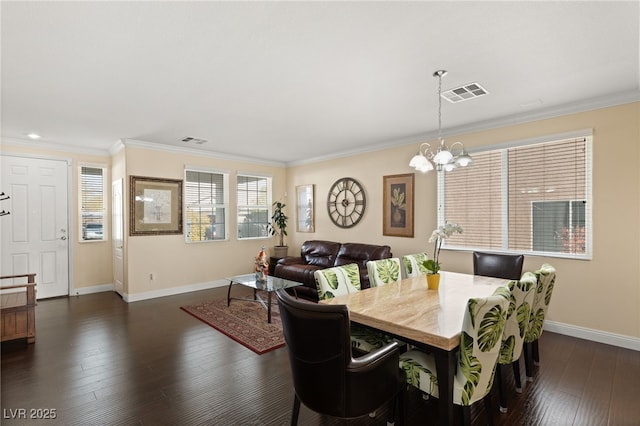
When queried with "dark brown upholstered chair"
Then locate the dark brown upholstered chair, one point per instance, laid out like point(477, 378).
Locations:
point(507, 266)
point(326, 376)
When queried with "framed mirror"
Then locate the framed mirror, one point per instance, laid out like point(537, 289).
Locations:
point(304, 208)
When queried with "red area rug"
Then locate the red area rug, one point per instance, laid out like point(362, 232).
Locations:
point(243, 321)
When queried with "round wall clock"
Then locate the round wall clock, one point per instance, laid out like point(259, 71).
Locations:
point(346, 202)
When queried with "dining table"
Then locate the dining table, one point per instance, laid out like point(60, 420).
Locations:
point(430, 320)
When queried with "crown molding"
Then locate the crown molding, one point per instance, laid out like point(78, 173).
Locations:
point(54, 146)
point(200, 153)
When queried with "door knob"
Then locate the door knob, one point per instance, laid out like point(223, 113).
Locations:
point(63, 238)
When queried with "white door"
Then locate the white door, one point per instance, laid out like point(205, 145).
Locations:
point(117, 231)
point(34, 235)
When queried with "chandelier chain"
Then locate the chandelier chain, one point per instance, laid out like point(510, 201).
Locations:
point(440, 108)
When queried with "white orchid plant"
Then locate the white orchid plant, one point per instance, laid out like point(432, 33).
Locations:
point(438, 235)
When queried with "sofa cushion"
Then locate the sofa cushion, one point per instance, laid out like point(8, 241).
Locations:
point(320, 253)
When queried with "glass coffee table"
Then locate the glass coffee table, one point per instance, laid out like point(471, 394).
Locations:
point(270, 284)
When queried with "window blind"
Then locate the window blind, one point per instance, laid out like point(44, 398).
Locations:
point(254, 201)
point(528, 199)
point(92, 211)
point(206, 205)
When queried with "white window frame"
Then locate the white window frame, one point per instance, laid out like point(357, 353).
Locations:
point(81, 209)
point(224, 205)
point(241, 205)
point(587, 255)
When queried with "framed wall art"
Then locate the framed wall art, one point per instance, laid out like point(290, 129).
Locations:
point(397, 204)
point(304, 208)
point(155, 206)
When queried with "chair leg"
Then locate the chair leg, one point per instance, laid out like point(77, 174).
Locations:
point(395, 411)
point(527, 362)
point(296, 410)
point(516, 375)
point(536, 353)
point(400, 413)
point(466, 415)
point(501, 392)
point(488, 408)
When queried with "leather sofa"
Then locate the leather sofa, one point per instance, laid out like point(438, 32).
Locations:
point(317, 254)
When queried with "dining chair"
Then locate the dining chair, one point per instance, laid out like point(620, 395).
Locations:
point(520, 303)
point(546, 278)
point(480, 340)
point(414, 264)
point(507, 266)
point(326, 377)
point(341, 280)
point(337, 281)
point(383, 271)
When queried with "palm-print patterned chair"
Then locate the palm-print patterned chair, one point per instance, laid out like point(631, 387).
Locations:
point(413, 264)
point(480, 341)
point(383, 271)
point(520, 303)
point(546, 278)
point(345, 279)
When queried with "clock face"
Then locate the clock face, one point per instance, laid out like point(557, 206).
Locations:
point(346, 202)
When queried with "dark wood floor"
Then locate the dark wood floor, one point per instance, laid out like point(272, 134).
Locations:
point(100, 361)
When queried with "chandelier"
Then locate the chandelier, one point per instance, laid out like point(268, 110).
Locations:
point(445, 158)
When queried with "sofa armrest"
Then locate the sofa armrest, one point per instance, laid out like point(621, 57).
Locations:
point(291, 260)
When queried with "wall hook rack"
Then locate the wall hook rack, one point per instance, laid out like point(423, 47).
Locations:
point(3, 197)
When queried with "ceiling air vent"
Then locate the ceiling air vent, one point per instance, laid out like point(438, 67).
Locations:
point(197, 141)
point(463, 93)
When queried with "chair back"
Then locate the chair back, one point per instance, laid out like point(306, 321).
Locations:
point(520, 303)
point(319, 346)
point(383, 271)
point(326, 378)
point(337, 281)
point(507, 266)
point(480, 341)
point(546, 278)
point(413, 264)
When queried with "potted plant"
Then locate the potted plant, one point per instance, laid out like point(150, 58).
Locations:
point(278, 225)
point(432, 266)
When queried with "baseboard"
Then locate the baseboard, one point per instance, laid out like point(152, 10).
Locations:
point(173, 291)
point(593, 335)
point(92, 289)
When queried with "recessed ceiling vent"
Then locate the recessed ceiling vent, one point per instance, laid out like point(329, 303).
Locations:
point(463, 93)
point(197, 141)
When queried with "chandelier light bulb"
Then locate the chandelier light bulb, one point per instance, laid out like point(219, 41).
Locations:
point(443, 156)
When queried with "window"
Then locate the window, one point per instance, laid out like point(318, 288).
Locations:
point(558, 226)
point(206, 205)
point(531, 198)
point(92, 203)
point(254, 203)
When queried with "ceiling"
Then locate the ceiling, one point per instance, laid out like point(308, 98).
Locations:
point(289, 82)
